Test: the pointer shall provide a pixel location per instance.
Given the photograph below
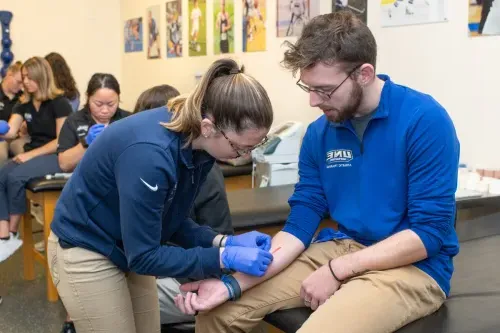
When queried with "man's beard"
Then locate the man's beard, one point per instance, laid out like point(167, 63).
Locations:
point(348, 111)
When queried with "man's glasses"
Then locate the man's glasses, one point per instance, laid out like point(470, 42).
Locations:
point(323, 94)
point(240, 151)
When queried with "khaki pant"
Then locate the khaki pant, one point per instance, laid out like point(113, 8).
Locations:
point(98, 296)
point(375, 302)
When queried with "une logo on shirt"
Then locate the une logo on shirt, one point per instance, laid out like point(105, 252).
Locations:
point(339, 156)
point(28, 117)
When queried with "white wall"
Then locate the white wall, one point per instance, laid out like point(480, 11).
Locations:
point(85, 32)
point(439, 59)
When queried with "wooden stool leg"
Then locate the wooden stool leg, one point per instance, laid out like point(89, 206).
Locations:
point(29, 259)
point(49, 203)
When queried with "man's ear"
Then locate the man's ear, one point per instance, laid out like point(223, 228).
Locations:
point(366, 74)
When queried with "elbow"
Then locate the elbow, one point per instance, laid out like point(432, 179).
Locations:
point(432, 236)
point(64, 163)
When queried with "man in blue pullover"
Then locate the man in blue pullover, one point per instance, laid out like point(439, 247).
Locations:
point(382, 161)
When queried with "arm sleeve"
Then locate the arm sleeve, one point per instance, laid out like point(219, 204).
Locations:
point(68, 137)
point(18, 109)
point(211, 206)
point(308, 203)
point(433, 155)
point(61, 107)
point(192, 234)
point(144, 175)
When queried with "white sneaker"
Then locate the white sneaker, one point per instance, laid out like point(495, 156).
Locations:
point(9, 247)
point(40, 246)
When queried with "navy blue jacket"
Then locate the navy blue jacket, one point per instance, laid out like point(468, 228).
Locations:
point(132, 193)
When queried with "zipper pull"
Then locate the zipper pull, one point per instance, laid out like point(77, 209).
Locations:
point(192, 178)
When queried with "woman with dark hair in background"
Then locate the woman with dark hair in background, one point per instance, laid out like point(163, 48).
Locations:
point(155, 97)
point(64, 79)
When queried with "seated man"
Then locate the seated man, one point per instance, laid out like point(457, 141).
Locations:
point(382, 161)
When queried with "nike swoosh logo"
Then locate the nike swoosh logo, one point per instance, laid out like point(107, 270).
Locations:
point(154, 189)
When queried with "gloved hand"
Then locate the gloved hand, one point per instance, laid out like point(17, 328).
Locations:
point(4, 127)
point(250, 239)
point(250, 261)
point(93, 132)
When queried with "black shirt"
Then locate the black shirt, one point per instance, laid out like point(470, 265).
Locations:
point(6, 104)
point(77, 125)
point(42, 123)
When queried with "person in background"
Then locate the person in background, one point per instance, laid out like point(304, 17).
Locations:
point(44, 109)
point(82, 127)
point(210, 208)
point(382, 161)
point(155, 97)
point(122, 218)
point(64, 79)
point(10, 92)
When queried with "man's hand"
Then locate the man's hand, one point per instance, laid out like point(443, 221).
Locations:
point(201, 296)
point(250, 239)
point(318, 287)
point(22, 158)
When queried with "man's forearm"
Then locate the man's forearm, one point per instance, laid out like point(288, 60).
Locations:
point(286, 248)
point(401, 249)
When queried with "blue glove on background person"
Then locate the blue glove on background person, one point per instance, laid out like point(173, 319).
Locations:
point(251, 261)
point(93, 132)
point(4, 128)
point(250, 239)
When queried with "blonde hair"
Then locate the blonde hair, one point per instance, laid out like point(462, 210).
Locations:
point(15, 67)
point(234, 100)
point(40, 71)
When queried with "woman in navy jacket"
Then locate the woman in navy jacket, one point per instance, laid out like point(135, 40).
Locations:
point(123, 217)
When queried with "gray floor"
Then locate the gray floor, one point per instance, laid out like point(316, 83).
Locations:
point(25, 308)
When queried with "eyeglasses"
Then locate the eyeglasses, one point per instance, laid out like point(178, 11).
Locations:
point(239, 151)
point(323, 94)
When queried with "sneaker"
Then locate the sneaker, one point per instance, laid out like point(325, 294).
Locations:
point(68, 327)
point(40, 246)
point(9, 247)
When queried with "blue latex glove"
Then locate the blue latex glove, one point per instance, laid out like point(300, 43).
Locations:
point(251, 261)
point(93, 132)
point(250, 239)
point(4, 128)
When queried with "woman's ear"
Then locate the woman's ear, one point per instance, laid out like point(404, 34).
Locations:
point(207, 128)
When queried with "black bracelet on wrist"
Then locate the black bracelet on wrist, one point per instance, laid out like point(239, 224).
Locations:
point(220, 242)
point(331, 270)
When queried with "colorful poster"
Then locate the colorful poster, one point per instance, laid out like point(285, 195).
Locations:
point(153, 17)
point(407, 12)
point(174, 28)
point(254, 25)
point(197, 28)
point(223, 26)
point(358, 7)
point(293, 16)
point(484, 17)
point(133, 35)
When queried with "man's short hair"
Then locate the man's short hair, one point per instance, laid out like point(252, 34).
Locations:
point(336, 38)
